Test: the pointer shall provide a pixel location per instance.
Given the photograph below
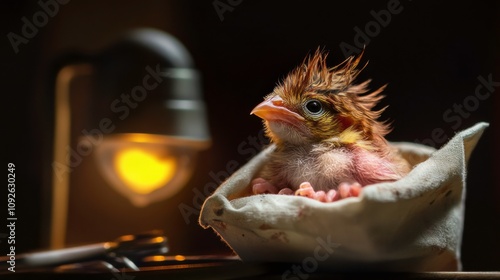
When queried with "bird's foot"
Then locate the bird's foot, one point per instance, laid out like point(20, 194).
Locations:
point(344, 190)
point(262, 186)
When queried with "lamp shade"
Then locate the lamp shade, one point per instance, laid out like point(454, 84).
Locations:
point(147, 83)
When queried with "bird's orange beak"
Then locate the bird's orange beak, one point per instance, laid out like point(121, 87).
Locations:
point(273, 109)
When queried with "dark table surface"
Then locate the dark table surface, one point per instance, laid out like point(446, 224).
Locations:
point(236, 269)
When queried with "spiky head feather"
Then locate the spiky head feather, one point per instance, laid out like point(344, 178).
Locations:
point(349, 104)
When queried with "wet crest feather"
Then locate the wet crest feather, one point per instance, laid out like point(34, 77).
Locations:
point(352, 101)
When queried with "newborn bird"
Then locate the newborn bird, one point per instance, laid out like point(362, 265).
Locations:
point(329, 143)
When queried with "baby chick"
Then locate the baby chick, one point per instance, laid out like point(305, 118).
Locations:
point(329, 143)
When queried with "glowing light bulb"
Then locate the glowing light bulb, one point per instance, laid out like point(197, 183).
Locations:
point(146, 168)
point(144, 171)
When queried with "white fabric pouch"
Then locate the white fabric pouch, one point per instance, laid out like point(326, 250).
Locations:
point(413, 224)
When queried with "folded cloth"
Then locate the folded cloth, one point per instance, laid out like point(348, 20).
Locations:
point(413, 224)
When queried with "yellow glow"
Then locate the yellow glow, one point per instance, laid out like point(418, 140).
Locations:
point(144, 171)
point(180, 258)
point(128, 237)
point(157, 258)
point(158, 239)
point(141, 138)
point(160, 258)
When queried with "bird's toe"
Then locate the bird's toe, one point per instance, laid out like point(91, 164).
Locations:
point(305, 189)
point(262, 186)
point(349, 189)
point(286, 191)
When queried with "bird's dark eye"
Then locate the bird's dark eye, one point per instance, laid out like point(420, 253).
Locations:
point(314, 107)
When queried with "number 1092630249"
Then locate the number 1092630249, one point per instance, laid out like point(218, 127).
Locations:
point(11, 188)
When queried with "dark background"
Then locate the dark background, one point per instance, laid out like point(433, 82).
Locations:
point(430, 54)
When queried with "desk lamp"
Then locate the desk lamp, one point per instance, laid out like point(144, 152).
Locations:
point(144, 120)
